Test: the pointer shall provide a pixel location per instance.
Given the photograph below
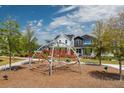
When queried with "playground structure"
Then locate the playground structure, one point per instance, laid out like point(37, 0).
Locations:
point(55, 55)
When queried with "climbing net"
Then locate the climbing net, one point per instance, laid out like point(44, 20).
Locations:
point(54, 55)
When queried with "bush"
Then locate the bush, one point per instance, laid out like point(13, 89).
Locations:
point(5, 77)
point(106, 68)
point(68, 60)
point(107, 58)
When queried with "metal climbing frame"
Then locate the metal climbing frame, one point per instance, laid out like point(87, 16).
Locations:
point(51, 60)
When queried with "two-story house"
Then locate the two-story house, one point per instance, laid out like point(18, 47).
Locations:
point(64, 39)
point(82, 44)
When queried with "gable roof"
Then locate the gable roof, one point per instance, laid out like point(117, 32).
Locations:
point(87, 37)
point(78, 37)
point(57, 36)
point(68, 36)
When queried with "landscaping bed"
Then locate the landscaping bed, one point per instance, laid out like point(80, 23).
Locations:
point(65, 76)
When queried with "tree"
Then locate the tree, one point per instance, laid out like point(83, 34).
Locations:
point(98, 42)
point(114, 38)
point(28, 40)
point(9, 37)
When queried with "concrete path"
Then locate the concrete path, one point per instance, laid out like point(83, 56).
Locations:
point(25, 61)
point(14, 64)
point(14, 57)
point(114, 66)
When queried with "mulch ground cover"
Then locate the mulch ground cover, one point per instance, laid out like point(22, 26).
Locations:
point(66, 76)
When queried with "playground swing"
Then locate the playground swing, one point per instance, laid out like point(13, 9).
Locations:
point(53, 53)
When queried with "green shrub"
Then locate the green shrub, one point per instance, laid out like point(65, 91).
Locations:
point(107, 58)
point(106, 68)
point(68, 60)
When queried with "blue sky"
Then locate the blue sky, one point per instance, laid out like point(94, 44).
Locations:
point(49, 21)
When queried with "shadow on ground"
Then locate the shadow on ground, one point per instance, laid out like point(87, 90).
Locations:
point(14, 68)
point(105, 75)
point(44, 69)
point(1, 60)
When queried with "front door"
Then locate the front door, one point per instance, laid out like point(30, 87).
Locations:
point(78, 51)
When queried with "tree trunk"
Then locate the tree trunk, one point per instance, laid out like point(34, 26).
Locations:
point(100, 62)
point(30, 53)
point(29, 57)
point(10, 55)
point(120, 70)
point(10, 50)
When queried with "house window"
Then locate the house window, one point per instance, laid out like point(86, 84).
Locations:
point(66, 41)
point(87, 42)
point(79, 42)
point(59, 41)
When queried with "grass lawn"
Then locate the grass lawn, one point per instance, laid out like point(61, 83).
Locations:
point(96, 61)
point(5, 60)
point(92, 61)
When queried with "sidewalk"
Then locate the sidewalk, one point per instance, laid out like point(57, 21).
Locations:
point(26, 60)
point(15, 57)
point(14, 64)
point(114, 66)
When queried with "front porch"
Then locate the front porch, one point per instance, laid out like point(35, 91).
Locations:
point(85, 51)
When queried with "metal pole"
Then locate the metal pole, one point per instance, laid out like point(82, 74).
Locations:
point(50, 68)
point(50, 63)
point(79, 64)
point(30, 62)
point(78, 59)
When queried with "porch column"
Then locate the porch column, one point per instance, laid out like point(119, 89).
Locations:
point(92, 53)
point(68, 49)
point(82, 51)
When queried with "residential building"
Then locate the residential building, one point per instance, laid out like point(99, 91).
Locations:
point(65, 40)
point(83, 44)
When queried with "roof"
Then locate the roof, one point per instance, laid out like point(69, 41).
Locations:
point(56, 36)
point(69, 36)
point(87, 37)
point(78, 37)
point(81, 37)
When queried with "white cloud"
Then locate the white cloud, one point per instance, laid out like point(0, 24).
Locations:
point(68, 26)
point(42, 36)
point(66, 9)
point(93, 13)
point(61, 21)
point(76, 30)
point(71, 23)
point(36, 24)
point(39, 24)
point(84, 14)
point(92, 26)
